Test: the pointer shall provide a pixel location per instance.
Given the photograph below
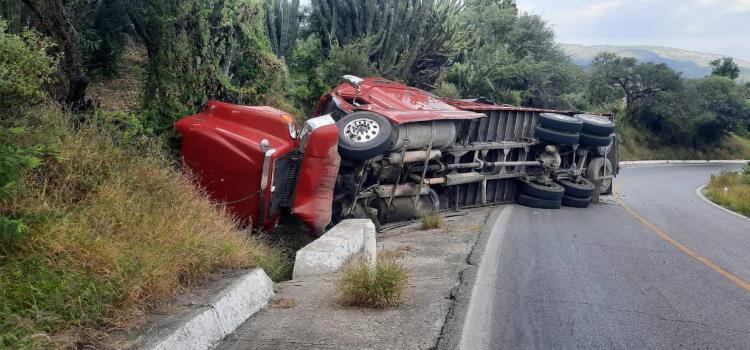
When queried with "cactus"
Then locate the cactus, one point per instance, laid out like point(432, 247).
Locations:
point(282, 24)
point(411, 40)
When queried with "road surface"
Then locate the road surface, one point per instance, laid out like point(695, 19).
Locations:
point(660, 269)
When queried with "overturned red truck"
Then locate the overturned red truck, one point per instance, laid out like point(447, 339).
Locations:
point(382, 150)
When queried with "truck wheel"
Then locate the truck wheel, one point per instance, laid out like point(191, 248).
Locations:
point(560, 122)
point(555, 137)
point(596, 125)
point(534, 202)
point(363, 135)
point(582, 189)
point(594, 140)
point(553, 191)
point(576, 202)
point(597, 169)
point(603, 150)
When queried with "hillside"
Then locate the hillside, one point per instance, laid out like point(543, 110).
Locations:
point(692, 64)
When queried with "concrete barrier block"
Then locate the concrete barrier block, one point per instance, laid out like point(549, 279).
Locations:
point(329, 252)
point(209, 323)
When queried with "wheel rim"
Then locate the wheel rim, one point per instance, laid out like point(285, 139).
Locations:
point(602, 172)
point(361, 130)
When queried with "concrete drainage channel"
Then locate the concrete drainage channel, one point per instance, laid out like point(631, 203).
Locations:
point(202, 325)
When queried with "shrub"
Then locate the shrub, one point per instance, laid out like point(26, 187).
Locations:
point(14, 161)
point(383, 287)
point(431, 220)
point(25, 68)
point(447, 90)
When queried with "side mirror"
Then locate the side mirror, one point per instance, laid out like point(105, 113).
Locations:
point(352, 80)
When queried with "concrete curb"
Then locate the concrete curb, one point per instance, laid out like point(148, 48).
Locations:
point(329, 252)
point(699, 193)
point(210, 323)
point(660, 162)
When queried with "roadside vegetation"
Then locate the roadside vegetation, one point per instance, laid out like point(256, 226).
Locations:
point(97, 226)
point(731, 190)
point(381, 287)
point(431, 220)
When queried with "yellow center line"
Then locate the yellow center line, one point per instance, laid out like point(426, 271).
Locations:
point(685, 249)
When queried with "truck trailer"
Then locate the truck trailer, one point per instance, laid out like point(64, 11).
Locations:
point(379, 149)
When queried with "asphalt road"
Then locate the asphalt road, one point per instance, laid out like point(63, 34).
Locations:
point(659, 269)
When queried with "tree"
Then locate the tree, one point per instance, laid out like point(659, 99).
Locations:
point(512, 59)
point(409, 40)
point(725, 67)
point(200, 50)
point(636, 80)
point(282, 25)
point(54, 21)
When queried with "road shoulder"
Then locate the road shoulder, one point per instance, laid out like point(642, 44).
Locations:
point(307, 314)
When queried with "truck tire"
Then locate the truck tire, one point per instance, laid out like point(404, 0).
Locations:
point(560, 122)
point(363, 135)
point(556, 137)
point(601, 151)
point(576, 202)
point(553, 191)
point(534, 202)
point(596, 169)
point(582, 189)
point(596, 125)
point(594, 140)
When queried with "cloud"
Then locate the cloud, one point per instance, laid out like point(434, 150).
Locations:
point(727, 6)
point(712, 26)
point(599, 9)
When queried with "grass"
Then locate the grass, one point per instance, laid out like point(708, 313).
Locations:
point(113, 233)
point(731, 190)
point(382, 287)
point(431, 220)
point(639, 145)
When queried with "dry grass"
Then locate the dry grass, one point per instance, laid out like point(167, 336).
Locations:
point(112, 234)
point(431, 220)
point(382, 287)
point(731, 190)
point(283, 303)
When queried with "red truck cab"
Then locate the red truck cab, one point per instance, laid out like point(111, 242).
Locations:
point(249, 159)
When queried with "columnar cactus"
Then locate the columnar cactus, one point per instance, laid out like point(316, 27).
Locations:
point(410, 40)
point(282, 23)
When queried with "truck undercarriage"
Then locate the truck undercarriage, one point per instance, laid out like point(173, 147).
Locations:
point(461, 164)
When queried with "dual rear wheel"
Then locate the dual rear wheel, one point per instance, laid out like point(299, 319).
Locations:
point(553, 195)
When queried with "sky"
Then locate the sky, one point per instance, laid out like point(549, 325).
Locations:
point(712, 26)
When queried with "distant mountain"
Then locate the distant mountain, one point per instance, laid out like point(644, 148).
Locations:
point(692, 64)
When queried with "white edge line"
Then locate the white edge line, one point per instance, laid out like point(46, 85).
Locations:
point(477, 324)
point(699, 192)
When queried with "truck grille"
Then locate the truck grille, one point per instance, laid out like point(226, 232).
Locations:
point(285, 170)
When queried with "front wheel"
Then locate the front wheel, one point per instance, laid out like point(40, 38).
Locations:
point(363, 135)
